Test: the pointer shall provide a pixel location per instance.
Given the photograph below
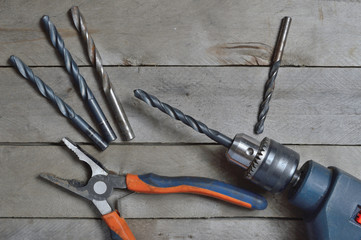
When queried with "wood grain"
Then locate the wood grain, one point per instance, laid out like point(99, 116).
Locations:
point(24, 194)
point(158, 32)
point(309, 105)
point(208, 58)
point(154, 229)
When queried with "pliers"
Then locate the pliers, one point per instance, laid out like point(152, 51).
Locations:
point(102, 182)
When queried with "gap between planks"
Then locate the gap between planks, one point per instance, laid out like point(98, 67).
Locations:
point(165, 218)
point(160, 144)
point(188, 66)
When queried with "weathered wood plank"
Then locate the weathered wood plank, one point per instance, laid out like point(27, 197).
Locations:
point(43, 229)
point(323, 33)
point(23, 194)
point(156, 229)
point(189, 206)
point(309, 105)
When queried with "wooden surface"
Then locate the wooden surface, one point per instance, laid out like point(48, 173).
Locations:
point(163, 229)
point(209, 59)
point(323, 33)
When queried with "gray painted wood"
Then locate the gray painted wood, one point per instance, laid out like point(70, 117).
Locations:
point(46, 229)
point(23, 194)
point(154, 229)
point(309, 105)
point(323, 33)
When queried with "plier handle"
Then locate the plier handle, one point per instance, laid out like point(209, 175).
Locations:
point(102, 182)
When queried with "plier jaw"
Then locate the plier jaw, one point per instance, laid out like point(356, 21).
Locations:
point(96, 167)
point(101, 184)
point(71, 185)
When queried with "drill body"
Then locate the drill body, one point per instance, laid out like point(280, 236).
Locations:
point(331, 202)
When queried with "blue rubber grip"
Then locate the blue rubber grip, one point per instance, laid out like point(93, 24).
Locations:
point(114, 236)
point(218, 188)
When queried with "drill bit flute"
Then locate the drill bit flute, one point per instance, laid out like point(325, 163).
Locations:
point(72, 68)
point(270, 84)
point(126, 130)
point(64, 108)
point(186, 119)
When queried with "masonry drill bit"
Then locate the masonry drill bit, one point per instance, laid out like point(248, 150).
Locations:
point(270, 84)
point(64, 108)
point(85, 92)
point(188, 120)
point(126, 130)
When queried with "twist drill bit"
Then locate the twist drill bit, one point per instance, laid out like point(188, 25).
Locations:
point(72, 68)
point(64, 108)
point(270, 84)
point(188, 120)
point(126, 130)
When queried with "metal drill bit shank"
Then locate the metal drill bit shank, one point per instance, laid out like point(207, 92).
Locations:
point(72, 68)
point(64, 108)
point(270, 84)
point(126, 130)
point(188, 120)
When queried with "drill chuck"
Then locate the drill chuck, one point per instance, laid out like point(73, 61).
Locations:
point(243, 150)
point(268, 163)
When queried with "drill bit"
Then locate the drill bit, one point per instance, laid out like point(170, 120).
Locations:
point(188, 120)
point(85, 92)
point(270, 84)
point(126, 130)
point(64, 108)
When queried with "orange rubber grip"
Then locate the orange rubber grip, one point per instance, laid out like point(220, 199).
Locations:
point(134, 183)
point(118, 226)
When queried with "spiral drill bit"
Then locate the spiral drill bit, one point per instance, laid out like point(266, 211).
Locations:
point(188, 120)
point(64, 108)
point(270, 84)
point(126, 130)
point(85, 92)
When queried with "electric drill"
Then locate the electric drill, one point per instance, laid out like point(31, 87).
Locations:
point(329, 197)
